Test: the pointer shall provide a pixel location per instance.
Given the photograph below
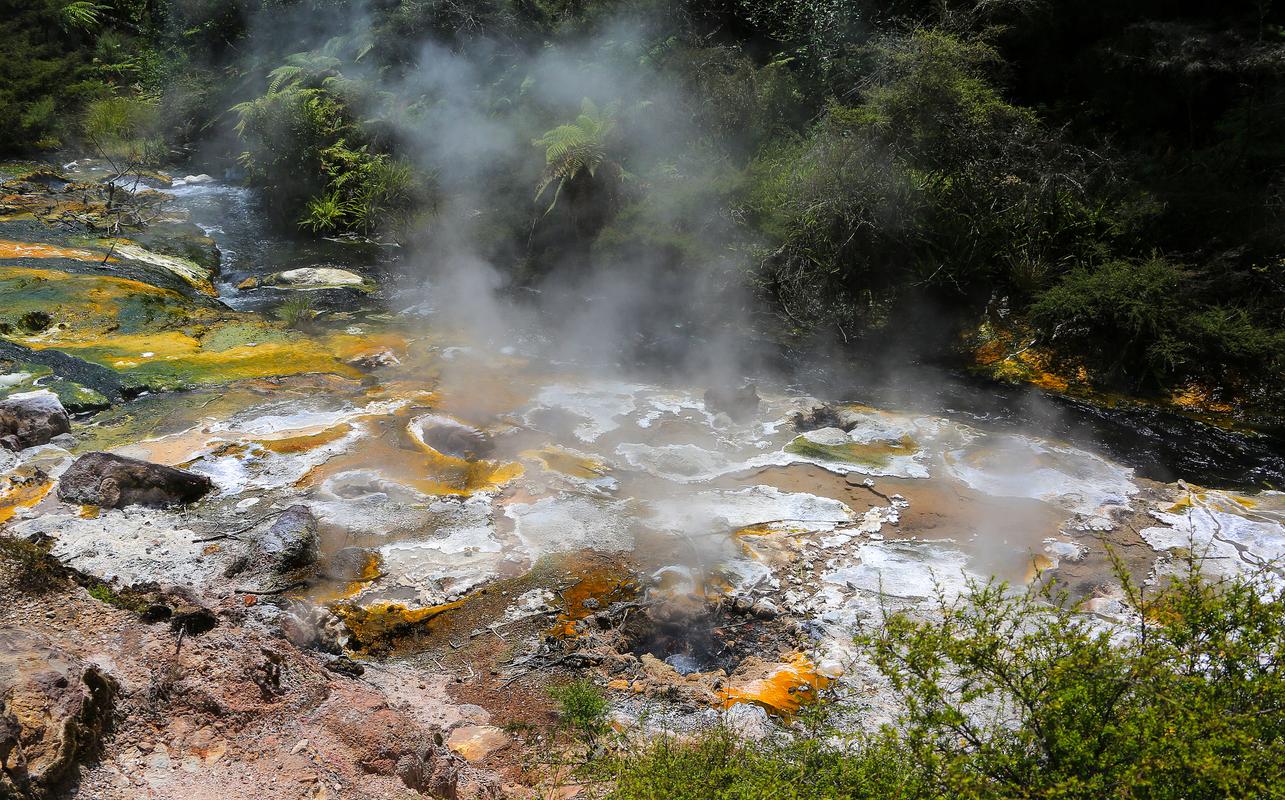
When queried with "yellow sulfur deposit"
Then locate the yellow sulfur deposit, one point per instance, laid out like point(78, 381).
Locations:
point(371, 624)
point(305, 442)
point(566, 462)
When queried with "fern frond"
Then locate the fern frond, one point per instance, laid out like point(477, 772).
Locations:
point(282, 76)
point(81, 14)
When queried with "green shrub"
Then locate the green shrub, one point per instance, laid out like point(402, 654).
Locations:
point(1156, 323)
point(718, 765)
point(1018, 695)
point(931, 187)
point(582, 705)
point(295, 310)
point(1021, 695)
point(124, 129)
point(326, 213)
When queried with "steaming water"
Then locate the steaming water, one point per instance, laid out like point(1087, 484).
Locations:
point(907, 505)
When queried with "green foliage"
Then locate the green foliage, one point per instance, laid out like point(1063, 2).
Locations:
point(931, 190)
point(123, 128)
point(1010, 695)
point(576, 150)
point(1020, 695)
point(305, 144)
point(719, 765)
point(82, 14)
point(104, 593)
point(817, 37)
point(1151, 312)
point(326, 213)
point(582, 705)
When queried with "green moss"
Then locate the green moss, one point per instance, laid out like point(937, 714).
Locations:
point(125, 601)
point(76, 398)
point(239, 334)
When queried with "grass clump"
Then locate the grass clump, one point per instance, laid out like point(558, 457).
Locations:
point(296, 310)
point(29, 565)
point(104, 593)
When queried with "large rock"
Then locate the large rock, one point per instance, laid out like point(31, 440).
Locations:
point(290, 544)
point(292, 541)
point(55, 710)
point(102, 380)
point(112, 481)
point(748, 721)
point(305, 278)
point(31, 418)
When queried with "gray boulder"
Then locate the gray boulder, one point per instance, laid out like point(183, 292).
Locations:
point(291, 542)
point(30, 419)
point(111, 481)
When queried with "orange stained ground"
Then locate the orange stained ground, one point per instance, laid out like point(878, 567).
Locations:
point(782, 691)
point(555, 459)
point(379, 621)
point(605, 583)
point(302, 443)
point(11, 249)
point(18, 494)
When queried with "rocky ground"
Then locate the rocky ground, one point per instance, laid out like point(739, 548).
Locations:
point(269, 531)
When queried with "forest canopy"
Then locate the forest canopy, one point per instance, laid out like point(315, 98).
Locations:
point(966, 179)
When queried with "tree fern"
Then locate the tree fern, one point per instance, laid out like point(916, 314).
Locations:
point(576, 148)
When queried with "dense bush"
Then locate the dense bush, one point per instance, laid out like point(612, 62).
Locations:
point(124, 129)
point(1159, 326)
point(1020, 695)
point(304, 146)
point(931, 186)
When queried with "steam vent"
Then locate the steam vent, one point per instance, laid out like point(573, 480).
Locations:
point(642, 400)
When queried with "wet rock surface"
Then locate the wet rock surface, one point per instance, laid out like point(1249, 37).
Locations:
point(97, 378)
point(111, 481)
point(290, 543)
